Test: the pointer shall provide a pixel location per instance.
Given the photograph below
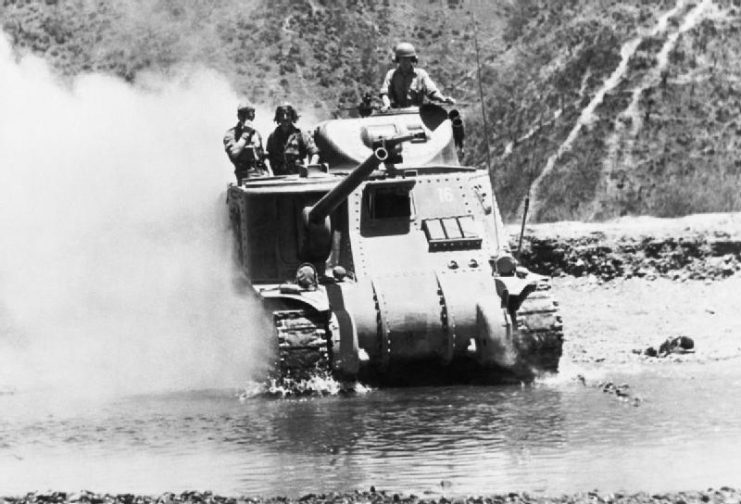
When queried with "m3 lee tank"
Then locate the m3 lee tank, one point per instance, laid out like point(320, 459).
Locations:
point(389, 264)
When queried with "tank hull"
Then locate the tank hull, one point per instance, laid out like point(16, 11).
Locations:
point(413, 280)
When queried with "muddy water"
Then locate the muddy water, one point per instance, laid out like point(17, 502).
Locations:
point(556, 436)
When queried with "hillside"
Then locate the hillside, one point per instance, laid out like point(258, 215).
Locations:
point(604, 108)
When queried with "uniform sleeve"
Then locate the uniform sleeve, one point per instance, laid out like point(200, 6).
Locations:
point(257, 139)
point(274, 154)
point(311, 147)
point(269, 144)
point(257, 143)
point(429, 86)
point(386, 83)
point(232, 145)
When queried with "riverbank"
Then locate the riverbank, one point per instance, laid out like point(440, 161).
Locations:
point(695, 247)
point(632, 283)
point(723, 495)
point(610, 323)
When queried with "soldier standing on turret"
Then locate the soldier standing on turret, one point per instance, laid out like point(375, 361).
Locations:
point(243, 145)
point(287, 145)
point(406, 85)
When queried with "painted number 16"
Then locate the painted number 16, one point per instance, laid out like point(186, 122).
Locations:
point(444, 194)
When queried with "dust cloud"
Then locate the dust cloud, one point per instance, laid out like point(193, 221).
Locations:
point(115, 267)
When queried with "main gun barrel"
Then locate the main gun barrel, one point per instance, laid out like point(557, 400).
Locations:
point(341, 191)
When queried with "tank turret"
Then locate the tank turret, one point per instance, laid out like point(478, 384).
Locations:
point(384, 150)
point(392, 265)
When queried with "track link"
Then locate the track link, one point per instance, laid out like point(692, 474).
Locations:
point(539, 330)
point(303, 346)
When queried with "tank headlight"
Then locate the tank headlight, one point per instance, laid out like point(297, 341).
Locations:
point(339, 273)
point(506, 265)
point(306, 277)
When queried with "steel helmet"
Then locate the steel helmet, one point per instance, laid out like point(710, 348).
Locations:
point(404, 50)
point(285, 110)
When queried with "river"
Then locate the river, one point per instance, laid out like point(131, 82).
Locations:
point(678, 430)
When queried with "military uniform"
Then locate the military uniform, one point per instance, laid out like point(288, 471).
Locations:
point(287, 150)
point(406, 89)
point(243, 145)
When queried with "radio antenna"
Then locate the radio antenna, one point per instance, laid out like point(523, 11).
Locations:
point(481, 92)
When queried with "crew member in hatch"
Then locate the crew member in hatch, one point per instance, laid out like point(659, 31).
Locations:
point(288, 146)
point(406, 85)
point(243, 145)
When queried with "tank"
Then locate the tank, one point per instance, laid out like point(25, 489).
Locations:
point(388, 264)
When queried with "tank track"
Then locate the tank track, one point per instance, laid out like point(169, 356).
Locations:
point(539, 331)
point(303, 347)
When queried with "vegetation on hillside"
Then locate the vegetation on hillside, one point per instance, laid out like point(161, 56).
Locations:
point(663, 141)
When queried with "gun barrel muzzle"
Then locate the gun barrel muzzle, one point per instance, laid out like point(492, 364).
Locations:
point(381, 154)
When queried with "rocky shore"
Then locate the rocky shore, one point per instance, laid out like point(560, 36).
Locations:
point(696, 247)
point(723, 495)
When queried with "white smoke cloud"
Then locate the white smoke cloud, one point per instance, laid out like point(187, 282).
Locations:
point(115, 268)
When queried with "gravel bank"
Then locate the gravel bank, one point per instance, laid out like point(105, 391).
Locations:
point(609, 323)
point(724, 495)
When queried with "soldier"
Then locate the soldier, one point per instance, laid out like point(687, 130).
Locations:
point(406, 85)
point(287, 145)
point(243, 145)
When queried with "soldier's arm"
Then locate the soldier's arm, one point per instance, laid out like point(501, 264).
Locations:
point(257, 141)
point(234, 146)
point(386, 102)
point(260, 154)
point(311, 148)
point(272, 155)
point(384, 92)
point(432, 91)
point(429, 86)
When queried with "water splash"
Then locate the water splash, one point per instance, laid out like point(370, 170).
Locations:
point(315, 386)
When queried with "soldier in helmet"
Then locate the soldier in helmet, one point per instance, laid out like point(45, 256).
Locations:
point(288, 146)
point(406, 85)
point(243, 145)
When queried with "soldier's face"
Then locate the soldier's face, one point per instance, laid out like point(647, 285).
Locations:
point(406, 63)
